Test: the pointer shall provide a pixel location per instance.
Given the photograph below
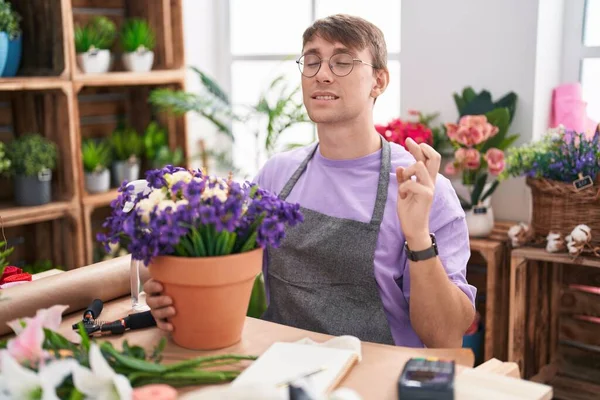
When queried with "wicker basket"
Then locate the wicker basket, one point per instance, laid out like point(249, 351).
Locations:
point(559, 207)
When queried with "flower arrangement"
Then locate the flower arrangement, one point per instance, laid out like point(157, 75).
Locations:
point(186, 213)
point(479, 142)
point(39, 362)
point(398, 130)
point(560, 155)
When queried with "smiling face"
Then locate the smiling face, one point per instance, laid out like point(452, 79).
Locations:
point(330, 98)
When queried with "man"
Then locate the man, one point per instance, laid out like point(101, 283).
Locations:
point(364, 262)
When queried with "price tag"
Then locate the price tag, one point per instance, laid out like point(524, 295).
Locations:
point(583, 182)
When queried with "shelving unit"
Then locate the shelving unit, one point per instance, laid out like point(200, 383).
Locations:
point(52, 96)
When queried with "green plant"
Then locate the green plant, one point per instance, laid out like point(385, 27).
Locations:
point(155, 137)
point(40, 266)
point(4, 253)
point(136, 34)
point(9, 20)
point(472, 103)
point(126, 144)
point(99, 33)
point(31, 154)
point(166, 156)
point(96, 155)
point(4, 160)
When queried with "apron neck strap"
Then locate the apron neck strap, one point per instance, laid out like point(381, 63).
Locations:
point(382, 186)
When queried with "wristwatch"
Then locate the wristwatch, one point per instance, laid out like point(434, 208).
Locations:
point(422, 255)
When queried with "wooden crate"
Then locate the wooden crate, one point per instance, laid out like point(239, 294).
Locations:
point(47, 113)
point(164, 16)
point(555, 321)
point(488, 272)
point(56, 241)
point(45, 39)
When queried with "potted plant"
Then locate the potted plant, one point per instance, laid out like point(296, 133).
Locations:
point(4, 160)
point(202, 237)
point(127, 149)
point(93, 43)
point(479, 141)
point(10, 40)
point(96, 155)
point(138, 41)
point(32, 159)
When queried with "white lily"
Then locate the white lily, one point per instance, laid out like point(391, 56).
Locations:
point(22, 383)
point(101, 382)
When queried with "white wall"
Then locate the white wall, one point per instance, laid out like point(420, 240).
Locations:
point(486, 44)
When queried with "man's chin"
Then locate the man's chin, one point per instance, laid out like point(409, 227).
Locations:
point(324, 117)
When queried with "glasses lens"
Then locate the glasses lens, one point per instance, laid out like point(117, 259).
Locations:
point(341, 64)
point(309, 64)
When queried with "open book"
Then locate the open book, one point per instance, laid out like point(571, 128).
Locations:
point(285, 362)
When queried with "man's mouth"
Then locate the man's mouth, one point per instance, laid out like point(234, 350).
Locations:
point(325, 97)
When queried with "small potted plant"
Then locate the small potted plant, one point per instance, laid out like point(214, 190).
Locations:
point(96, 155)
point(138, 41)
point(32, 158)
point(127, 148)
point(93, 43)
point(203, 238)
point(4, 160)
point(10, 40)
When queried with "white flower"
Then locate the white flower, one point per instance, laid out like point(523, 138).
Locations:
point(574, 249)
point(178, 176)
point(163, 205)
point(581, 233)
point(555, 243)
point(101, 382)
point(217, 192)
point(157, 195)
point(23, 383)
point(139, 186)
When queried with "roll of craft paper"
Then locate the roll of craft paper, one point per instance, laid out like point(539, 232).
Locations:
point(107, 280)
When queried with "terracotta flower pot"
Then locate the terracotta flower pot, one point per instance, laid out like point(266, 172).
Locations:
point(210, 296)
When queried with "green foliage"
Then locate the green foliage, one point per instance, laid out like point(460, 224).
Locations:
point(10, 20)
point(4, 160)
point(4, 253)
point(472, 103)
point(96, 155)
point(99, 33)
point(136, 34)
point(166, 156)
point(31, 154)
point(258, 298)
point(155, 137)
point(40, 266)
point(211, 103)
point(126, 144)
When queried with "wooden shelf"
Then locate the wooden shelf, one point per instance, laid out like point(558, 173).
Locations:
point(158, 77)
point(539, 254)
point(13, 215)
point(33, 83)
point(100, 199)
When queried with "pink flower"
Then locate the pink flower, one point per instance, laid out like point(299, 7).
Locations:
point(381, 129)
point(472, 159)
point(495, 161)
point(471, 130)
point(450, 169)
point(414, 112)
point(451, 131)
point(50, 318)
point(460, 155)
point(27, 346)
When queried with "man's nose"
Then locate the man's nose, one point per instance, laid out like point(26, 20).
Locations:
point(324, 75)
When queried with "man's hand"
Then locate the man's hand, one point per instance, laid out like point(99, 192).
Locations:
point(160, 305)
point(416, 196)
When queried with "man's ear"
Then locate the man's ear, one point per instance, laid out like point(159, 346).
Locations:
point(382, 79)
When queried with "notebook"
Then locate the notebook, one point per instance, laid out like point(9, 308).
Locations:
point(283, 362)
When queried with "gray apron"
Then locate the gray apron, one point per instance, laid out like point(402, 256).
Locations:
point(321, 278)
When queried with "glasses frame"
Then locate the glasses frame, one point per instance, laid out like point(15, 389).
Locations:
point(329, 63)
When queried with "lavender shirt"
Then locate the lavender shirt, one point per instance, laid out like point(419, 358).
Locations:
point(347, 189)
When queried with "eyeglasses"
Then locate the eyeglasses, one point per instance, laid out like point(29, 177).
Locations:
point(341, 64)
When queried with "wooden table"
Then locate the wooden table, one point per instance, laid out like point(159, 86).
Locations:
point(374, 377)
point(541, 327)
point(494, 250)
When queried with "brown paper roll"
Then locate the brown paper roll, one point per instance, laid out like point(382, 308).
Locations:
point(76, 288)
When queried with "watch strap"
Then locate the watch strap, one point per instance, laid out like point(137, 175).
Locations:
point(422, 255)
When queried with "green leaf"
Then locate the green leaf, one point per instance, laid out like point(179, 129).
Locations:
point(158, 349)
point(460, 103)
point(498, 117)
point(477, 189)
point(489, 192)
point(479, 105)
point(468, 94)
point(199, 246)
point(85, 339)
point(509, 101)
point(230, 243)
point(76, 395)
point(136, 33)
point(508, 141)
point(3, 343)
point(258, 298)
point(131, 362)
point(212, 86)
point(250, 244)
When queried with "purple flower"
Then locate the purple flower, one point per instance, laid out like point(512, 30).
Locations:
point(188, 214)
